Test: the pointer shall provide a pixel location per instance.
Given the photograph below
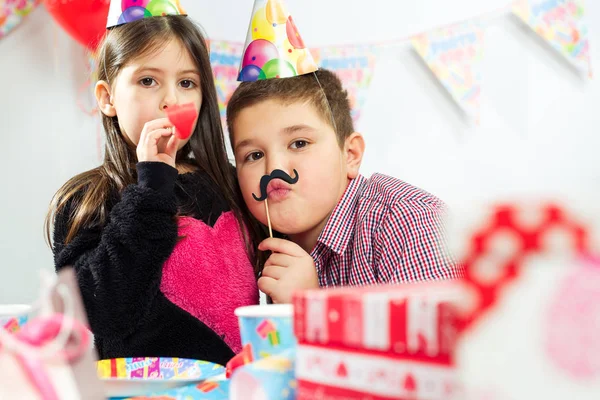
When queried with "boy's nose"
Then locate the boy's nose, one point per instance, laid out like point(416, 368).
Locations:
point(274, 162)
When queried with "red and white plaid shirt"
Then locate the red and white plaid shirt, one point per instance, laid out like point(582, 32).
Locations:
point(384, 230)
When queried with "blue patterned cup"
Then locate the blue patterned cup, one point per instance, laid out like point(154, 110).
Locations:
point(14, 316)
point(268, 329)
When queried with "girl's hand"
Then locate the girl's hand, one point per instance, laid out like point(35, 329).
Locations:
point(147, 148)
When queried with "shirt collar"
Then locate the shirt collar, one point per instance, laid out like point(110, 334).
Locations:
point(340, 225)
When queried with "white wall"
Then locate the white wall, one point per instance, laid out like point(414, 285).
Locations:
point(538, 135)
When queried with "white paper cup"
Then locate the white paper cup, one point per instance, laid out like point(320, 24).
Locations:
point(267, 328)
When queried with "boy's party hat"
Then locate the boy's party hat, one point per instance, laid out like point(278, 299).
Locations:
point(274, 48)
point(124, 11)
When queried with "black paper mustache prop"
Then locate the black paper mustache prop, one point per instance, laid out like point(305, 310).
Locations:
point(275, 174)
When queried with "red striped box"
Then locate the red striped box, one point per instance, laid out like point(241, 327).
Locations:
point(414, 321)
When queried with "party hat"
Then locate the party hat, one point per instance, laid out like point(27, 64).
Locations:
point(274, 48)
point(124, 11)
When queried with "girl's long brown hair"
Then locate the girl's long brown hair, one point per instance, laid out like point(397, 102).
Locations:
point(90, 192)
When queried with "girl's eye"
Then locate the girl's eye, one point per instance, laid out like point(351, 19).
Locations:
point(187, 84)
point(255, 156)
point(298, 144)
point(148, 82)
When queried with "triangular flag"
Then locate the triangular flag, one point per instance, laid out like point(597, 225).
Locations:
point(454, 56)
point(560, 24)
point(183, 117)
point(225, 59)
point(274, 47)
point(13, 12)
point(354, 65)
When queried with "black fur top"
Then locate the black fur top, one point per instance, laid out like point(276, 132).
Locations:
point(119, 267)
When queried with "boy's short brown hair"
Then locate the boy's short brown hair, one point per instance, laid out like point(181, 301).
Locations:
point(299, 88)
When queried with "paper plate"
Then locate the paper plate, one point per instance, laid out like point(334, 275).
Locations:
point(126, 377)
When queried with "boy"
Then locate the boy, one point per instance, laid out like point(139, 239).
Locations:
point(343, 229)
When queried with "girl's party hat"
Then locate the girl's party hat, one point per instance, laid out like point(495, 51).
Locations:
point(124, 11)
point(274, 48)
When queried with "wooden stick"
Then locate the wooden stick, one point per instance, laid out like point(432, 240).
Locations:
point(268, 218)
point(264, 299)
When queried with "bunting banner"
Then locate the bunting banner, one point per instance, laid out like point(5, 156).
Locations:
point(12, 13)
point(225, 59)
point(561, 24)
point(454, 55)
point(354, 65)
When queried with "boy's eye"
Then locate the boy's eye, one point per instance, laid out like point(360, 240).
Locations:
point(148, 82)
point(187, 84)
point(298, 144)
point(254, 156)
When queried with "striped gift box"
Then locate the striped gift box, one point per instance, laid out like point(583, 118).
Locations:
point(413, 321)
point(323, 373)
point(382, 342)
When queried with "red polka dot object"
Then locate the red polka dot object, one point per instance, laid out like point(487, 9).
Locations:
point(499, 248)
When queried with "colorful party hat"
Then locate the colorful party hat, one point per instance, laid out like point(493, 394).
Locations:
point(124, 11)
point(274, 48)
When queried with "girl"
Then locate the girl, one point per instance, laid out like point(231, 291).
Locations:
point(155, 234)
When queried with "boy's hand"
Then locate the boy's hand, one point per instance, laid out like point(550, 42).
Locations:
point(288, 269)
point(153, 132)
